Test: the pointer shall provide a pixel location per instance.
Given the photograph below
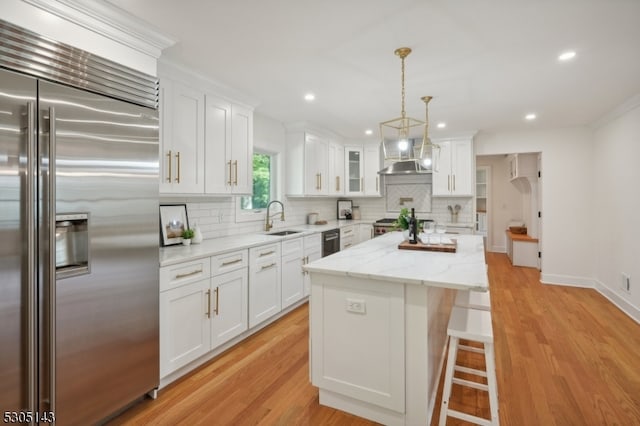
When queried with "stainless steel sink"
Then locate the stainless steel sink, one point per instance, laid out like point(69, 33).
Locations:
point(283, 233)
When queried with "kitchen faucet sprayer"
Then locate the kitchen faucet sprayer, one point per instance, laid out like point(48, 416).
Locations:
point(268, 225)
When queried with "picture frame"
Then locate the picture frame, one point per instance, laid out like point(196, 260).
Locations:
point(345, 209)
point(173, 221)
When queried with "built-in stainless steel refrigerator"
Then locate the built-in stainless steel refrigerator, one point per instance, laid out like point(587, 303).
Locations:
point(78, 249)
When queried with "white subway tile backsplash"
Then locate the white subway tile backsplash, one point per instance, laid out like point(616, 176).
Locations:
point(216, 216)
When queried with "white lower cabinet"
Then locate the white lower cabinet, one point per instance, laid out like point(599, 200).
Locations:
point(198, 311)
point(264, 283)
point(229, 306)
point(185, 328)
point(365, 232)
point(348, 237)
point(292, 276)
point(312, 251)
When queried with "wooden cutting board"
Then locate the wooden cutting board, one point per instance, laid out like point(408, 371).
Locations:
point(448, 248)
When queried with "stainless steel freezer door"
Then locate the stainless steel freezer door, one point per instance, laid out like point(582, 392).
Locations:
point(106, 166)
point(17, 238)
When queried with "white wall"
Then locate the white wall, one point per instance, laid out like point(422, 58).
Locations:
point(567, 197)
point(617, 208)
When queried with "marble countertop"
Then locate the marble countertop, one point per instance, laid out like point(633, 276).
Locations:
point(380, 259)
point(176, 254)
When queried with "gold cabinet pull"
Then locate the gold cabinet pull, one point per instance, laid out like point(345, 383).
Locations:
point(267, 253)
point(268, 266)
point(208, 293)
point(454, 182)
point(317, 181)
point(216, 309)
point(178, 161)
point(229, 182)
point(188, 274)
point(231, 262)
point(448, 182)
point(235, 165)
point(361, 184)
point(169, 160)
point(337, 183)
point(320, 174)
point(377, 189)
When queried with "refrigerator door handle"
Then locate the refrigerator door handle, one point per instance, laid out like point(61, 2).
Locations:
point(31, 304)
point(51, 358)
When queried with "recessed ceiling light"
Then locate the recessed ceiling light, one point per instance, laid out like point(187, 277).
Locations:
point(567, 56)
point(368, 132)
point(530, 117)
point(309, 97)
point(441, 125)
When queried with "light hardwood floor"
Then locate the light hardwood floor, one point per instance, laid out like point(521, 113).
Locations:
point(564, 356)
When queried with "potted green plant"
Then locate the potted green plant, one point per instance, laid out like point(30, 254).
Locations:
point(402, 223)
point(187, 235)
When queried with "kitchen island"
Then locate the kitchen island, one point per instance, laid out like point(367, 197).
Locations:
point(378, 324)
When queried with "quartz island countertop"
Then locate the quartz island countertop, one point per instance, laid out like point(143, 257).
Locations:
point(380, 259)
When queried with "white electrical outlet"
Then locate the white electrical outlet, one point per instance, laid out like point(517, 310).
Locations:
point(625, 282)
point(357, 306)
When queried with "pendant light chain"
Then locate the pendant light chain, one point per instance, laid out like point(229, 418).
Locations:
point(403, 113)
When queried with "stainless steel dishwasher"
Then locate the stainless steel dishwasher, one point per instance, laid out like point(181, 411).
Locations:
point(330, 242)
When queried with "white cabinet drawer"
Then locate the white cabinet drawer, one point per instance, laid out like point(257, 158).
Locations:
point(223, 263)
point(184, 273)
point(292, 246)
point(266, 253)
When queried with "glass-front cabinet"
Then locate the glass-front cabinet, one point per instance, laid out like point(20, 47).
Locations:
point(362, 163)
point(354, 170)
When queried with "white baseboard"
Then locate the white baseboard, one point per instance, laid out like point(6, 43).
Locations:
point(614, 297)
point(619, 301)
point(498, 249)
point(567, 280)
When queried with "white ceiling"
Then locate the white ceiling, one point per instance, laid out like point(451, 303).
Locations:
point(487, 63)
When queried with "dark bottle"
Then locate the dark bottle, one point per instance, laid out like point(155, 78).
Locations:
point(413, 228)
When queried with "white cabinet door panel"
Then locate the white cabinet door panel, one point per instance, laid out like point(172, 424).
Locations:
point(229, 307)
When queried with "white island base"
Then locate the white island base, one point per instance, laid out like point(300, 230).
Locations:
point(377, 338)
point(378, 348)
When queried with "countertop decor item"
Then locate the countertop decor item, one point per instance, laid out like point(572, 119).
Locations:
point(345, 209)
point(187, 235)
point(173, 222)
point(403, 220)
point(197, 234)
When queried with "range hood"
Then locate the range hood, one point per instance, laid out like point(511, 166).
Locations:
point(405, 167)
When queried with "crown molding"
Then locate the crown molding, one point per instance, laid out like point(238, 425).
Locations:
point(109, 21)
point(628, 105)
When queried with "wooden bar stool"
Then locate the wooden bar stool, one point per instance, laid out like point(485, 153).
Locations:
point(473, 299)
point(473, 325)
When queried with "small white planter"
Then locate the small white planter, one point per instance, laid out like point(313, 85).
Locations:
point(186, 242)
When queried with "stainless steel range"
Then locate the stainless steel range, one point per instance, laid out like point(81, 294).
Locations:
point(382, 226)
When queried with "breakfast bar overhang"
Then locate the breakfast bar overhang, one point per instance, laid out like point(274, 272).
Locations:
point(378, 324)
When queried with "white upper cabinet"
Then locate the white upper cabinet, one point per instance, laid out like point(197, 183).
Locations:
point(316, 165)
point(454, 174)
point(228, 147)
point(336, 182)
point(206, 140)
point(181, 138)
point(371, 169)
point(362, 163)
point(353, 163)
point(307, 165)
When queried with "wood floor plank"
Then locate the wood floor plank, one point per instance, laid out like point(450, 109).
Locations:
point(564, 356)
